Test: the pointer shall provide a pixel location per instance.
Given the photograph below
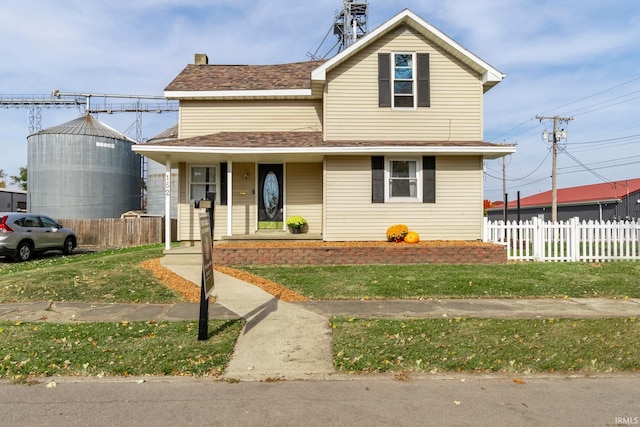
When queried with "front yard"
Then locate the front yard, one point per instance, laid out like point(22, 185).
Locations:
point(360, 345)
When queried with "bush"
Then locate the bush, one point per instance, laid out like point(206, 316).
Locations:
point(296, 221)
point(396, 233)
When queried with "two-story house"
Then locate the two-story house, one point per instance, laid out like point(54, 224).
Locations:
point(387, 131)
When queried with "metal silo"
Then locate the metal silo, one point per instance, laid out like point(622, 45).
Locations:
point(156, 175)
point(82, 169)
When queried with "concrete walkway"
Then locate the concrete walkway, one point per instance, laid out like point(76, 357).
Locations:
point(294, 340)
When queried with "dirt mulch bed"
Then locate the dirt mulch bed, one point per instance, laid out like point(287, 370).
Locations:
point(191, 291)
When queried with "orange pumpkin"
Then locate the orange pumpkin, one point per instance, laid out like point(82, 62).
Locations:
point(412, 237)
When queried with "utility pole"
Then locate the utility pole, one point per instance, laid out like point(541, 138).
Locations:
point(554, 139)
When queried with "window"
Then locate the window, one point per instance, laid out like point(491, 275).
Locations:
point(403, 179)
point(403, 81)
point(203, 181)
point(48, 222)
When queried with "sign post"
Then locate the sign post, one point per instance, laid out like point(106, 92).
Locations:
point(207, 273)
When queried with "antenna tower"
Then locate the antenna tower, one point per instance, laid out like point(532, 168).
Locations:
point(350, 24)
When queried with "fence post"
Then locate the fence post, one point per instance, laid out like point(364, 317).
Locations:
point(537, 239)
point(485, 229)
point(574, 239)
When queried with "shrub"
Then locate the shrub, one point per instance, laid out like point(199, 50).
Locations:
point(296, 221)
point(396, 233)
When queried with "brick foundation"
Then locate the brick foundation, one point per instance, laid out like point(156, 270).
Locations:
point(393, 253)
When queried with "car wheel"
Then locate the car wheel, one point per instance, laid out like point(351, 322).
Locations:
point(24, 252)
point(69, 245)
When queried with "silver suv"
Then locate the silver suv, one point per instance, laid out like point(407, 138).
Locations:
point(24, 234)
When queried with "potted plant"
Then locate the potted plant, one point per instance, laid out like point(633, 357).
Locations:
point(296, 223)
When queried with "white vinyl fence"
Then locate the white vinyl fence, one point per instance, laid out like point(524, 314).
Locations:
point(572, 240)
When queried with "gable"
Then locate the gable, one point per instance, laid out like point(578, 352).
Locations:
point(490, 76)
point(447, 107)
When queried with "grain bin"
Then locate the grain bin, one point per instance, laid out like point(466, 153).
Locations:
point(156, 173)
point(82, 169)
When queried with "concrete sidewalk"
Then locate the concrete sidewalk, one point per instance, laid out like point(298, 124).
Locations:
point(294, 340)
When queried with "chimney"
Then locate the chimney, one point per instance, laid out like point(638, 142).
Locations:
point(201, 59)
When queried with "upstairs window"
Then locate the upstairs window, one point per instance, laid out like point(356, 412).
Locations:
point(403, 80)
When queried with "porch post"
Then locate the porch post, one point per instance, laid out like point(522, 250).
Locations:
point(229, 198)
point(167, 205)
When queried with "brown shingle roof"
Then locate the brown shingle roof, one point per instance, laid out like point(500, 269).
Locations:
point(301, 140)
point(244, 77)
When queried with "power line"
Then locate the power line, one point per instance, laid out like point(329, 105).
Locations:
point(556, 137)
point(595, 94)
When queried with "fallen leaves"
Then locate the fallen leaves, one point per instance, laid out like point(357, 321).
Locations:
point(184, 287)
point(278, 291)
point(191, 292)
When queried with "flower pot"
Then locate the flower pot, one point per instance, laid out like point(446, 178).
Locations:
point(295, 230)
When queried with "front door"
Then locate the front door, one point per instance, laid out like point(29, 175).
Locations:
point(270, 197)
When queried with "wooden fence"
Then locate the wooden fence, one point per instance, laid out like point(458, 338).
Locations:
point(118, 232)
point(573, 240)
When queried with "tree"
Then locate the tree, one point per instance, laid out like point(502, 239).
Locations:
point(21, 178)
point(3, 184)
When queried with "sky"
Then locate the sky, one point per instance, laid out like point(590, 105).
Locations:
point(565, 58)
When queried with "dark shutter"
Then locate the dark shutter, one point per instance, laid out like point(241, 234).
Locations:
point(428, 179)
point(384, 80)
point(377, 179)
point(223, 184)
point(424, 91)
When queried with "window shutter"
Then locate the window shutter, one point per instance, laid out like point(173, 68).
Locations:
point(384, 80)
point(428, 179)
point(377, 179)
point(223, 184)
point(424, 91)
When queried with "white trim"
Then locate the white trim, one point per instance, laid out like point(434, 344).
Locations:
point(216, 166)
point(210, 94)
point(229, 198)
point(387, 179)
point(414, 81)
point(490, 75)
point(167, 205)
point(488, 152)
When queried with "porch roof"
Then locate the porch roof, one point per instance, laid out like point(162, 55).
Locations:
point(304, 146)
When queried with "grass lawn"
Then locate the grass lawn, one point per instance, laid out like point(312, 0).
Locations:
point(106, 349)
point(486, 345)
point(107, 276)
point(513, 280)
point(360, 345)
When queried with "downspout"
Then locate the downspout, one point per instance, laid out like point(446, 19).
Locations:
point(600, 209)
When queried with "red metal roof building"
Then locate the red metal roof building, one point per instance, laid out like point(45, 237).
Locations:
point(605, 201)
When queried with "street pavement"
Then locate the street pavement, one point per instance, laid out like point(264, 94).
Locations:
point(282, 371)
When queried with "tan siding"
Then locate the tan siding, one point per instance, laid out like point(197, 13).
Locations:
point(220, 222)
point(244, 199)
point(183, 177)
point(304, 194)
point(352, 110)
point(206, 117)
point(456, 215)
point(188, 225)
